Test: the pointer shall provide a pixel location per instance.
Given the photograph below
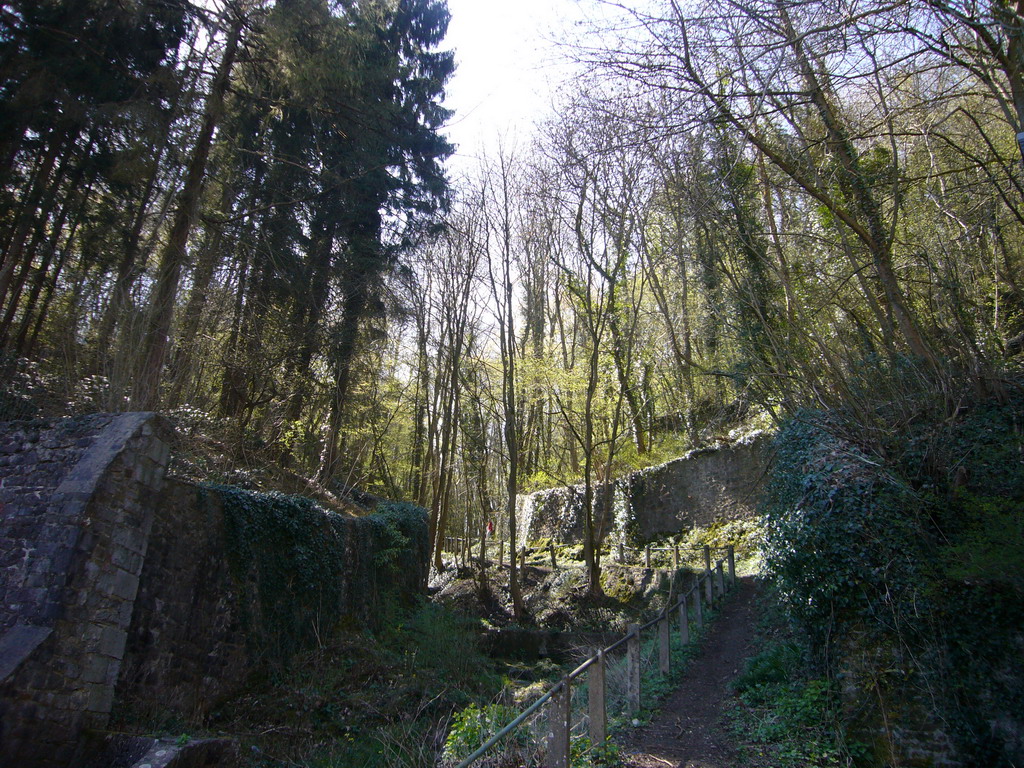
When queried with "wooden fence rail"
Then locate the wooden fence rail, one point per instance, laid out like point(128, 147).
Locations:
point(708, 587)
point(462, 548)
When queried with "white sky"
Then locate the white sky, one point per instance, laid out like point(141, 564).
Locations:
point(509, 68)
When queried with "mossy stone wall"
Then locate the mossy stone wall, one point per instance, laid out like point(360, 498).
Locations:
point(695, 490)
point(128, 593)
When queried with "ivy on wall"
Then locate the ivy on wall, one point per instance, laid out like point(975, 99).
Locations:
point(907, 553)
point(300, 569)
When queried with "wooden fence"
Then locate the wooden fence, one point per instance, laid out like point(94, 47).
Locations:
point(462, 550)
point(680, 613)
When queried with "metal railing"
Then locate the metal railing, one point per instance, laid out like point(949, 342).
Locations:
point(709, 586)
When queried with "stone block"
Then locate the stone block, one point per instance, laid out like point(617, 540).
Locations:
point(101, 699)
point(95, 670)
point(130, 538)
point(91, 634)
point(126, 585)
point(112, 642)
point(17, 643)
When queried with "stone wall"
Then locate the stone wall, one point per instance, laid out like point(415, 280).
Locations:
point(705, 486)
point(186, 647)
point(77, 511)
point(116, 588)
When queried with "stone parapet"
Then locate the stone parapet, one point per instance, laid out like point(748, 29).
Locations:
point(78, 502)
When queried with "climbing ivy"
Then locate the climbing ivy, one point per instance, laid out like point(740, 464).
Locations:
point(907, 550)
point(300, 568)
point(842, 536)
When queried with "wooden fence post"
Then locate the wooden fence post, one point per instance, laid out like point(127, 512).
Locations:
point(558, 726)
point(633, 669)
point(684, 624)
point(664, 649)
point(720, 577)
point(707, 558)
point(622, 553)
point(698, 608)
point(554, 563)
point(595, 701)
point(675, 556)
point(522, 558)
point(732, 564)
point(709, 587)
point(501, 553)
point(647, 556)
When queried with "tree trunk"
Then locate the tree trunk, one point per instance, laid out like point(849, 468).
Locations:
point(149, 371)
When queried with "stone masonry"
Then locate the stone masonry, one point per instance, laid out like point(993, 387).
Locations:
point(78, 501)
point(705, 486)
point(117, 600)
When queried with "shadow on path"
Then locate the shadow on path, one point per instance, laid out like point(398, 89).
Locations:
point(690, 731)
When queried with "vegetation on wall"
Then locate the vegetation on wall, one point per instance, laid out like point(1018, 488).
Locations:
point(300, 569)
point(236, 210)
point(726, 218)
point(898, 558)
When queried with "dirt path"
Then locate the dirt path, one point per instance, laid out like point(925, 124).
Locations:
point(690, 732)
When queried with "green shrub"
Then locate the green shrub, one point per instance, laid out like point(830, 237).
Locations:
point(299, 568)
point(907, 547)
point(584, 754)
point(772, 666)
point(474, 725)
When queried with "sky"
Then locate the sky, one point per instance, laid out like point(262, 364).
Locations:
point(509, 68)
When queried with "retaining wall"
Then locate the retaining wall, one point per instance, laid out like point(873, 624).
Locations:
point(696, 490)
point(116, 590)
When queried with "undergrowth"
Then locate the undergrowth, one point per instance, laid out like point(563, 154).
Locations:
point(373, 700)
point(785, 714)
point(474, 725)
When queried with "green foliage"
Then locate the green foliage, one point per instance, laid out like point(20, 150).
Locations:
point(990, 545)
point(292, 560)
point(444, 644)
point(772, 666)
point(910, 551)
point(397, 524)
point(584, 754)
point(474, 725)
point(790, 722)
point(842, 535)
point(374, 700)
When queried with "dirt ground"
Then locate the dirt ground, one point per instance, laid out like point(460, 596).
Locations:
point(691, 732)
